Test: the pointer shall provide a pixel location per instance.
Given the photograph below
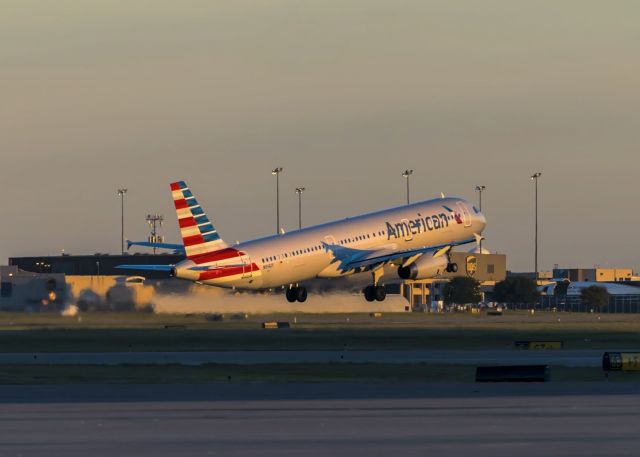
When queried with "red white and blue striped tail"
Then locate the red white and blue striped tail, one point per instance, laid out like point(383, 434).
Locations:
point(198, 234)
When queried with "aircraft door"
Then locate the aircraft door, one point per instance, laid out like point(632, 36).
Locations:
point(466, 216)
point(247, 270)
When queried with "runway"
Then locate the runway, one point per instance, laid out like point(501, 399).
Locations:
point(569, 358)
point(318, 420)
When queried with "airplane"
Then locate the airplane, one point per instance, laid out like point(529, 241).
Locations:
point(416, 238)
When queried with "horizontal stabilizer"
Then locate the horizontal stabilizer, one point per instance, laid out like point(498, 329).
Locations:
point(147, 244)
point(167, 268)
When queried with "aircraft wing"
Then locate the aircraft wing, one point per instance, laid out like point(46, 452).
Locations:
point(371, 259)
point(147, 244)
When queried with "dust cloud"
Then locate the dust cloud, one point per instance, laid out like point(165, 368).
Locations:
point(206, 299)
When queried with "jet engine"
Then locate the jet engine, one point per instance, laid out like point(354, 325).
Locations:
point(424, 267)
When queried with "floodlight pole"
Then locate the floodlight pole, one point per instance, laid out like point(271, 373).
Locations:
point(276, 171)
point(122, 192)
point(299, 191)
point(407, 174)
point(535, 178)
point(480, 189)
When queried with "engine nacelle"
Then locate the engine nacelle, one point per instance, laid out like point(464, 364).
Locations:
point(424, 268)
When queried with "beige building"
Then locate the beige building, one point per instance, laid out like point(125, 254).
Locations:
point(594, 274)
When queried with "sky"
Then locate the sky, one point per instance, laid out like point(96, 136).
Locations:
point(344, 95)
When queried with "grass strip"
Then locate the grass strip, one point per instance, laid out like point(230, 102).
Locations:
point(221, 339)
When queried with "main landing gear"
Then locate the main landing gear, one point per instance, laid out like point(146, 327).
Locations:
point(296, 293)
point(375, 292)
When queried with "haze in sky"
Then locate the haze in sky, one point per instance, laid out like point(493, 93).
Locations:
point(344, 95)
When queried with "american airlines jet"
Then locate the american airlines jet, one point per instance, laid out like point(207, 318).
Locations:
point(416, 238)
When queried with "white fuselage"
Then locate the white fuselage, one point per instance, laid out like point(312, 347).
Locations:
point(305, 254)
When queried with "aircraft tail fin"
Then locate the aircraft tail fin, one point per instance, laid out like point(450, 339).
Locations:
point(198, 234)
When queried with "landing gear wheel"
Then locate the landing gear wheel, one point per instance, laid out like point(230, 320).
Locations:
point(301, 294)
point(380, 293)
point(369, 293)
point(292, 294)
point(452, 268)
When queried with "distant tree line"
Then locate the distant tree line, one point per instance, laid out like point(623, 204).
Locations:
point(524, 290)
point(516, 289)
point(462, 289)
point(595, 296)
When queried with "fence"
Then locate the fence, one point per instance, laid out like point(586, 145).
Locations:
point(573, 304)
